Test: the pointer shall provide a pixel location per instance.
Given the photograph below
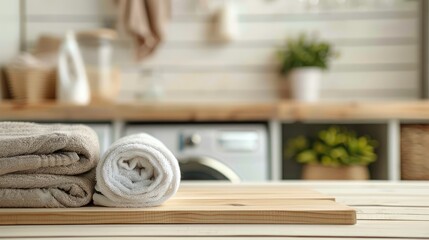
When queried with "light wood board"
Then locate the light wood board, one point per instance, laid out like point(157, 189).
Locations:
point(193, 204)
point(400, 216)
point(244, 111)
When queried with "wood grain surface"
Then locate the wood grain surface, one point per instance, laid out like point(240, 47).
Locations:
point(196, 205)
point(240, 111)
point(385, 210)
point(138, 111)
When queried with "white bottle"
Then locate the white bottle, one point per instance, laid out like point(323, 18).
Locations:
point(72, 83)
point(227, 18)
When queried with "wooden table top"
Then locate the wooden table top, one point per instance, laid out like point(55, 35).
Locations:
point(387, 210)
point(240, 111)
point(234, 203)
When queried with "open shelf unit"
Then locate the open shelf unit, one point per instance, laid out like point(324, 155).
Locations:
point(387, 134)
point(378, 131)
point(284, 120)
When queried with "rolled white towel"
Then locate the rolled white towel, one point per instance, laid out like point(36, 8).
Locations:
point(136, 171)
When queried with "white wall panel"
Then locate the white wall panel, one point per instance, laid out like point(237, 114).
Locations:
point(280, 30)
point(346, 86)
point(9, 26)
point(271, 7)
point(34, 30)
point(266, 56)
point(10, 34)
point(69, 7)
point(377, 41)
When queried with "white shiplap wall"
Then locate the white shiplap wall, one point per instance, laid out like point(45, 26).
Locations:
point(9, 25)
point(9, 33)
point(378, 42)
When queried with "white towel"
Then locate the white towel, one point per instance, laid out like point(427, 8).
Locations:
point(136, 171)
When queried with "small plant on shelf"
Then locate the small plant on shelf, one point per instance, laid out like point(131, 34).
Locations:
point(302, 60)
point(333, 149)
point(305, 52)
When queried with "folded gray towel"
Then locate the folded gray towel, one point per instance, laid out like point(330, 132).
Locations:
point(46, 190)
point(47, 149)
point(37, 163)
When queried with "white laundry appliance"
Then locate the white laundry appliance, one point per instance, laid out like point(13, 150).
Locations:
point(234, 152)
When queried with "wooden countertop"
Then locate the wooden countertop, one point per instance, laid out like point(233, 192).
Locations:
point(388, 210)
point(282, 110)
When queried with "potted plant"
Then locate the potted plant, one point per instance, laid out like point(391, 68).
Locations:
point(336, 153)
point(302, 61)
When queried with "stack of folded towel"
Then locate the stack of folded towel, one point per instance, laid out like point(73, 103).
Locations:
point(53, 165)
point(47, 165)
point(136, 171)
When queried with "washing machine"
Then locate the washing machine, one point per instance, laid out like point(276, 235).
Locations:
point(232, 152)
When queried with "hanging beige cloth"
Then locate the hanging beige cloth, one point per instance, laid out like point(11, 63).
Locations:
point(145, 21)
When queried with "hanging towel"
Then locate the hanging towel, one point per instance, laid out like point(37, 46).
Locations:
point(136, 171)
point(46, 165)
point(145, 21)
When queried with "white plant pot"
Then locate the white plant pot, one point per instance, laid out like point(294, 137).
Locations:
point(305, 84)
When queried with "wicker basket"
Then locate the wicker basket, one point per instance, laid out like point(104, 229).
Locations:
point(30, 84)
point(414, 152)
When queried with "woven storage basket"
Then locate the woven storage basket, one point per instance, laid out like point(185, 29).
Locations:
point(31, 84)
point(415, 152)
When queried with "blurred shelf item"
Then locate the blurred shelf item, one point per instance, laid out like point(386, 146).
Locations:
point(158, 111)
point(31, 84)
point(98, 56)
point(414, 154)
point(31, 78)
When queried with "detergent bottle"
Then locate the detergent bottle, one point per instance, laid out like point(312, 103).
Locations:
point(72, 85)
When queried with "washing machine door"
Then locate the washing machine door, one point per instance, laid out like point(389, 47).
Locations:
point(205, 168)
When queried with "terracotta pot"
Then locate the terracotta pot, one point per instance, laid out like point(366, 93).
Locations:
point(320, 172)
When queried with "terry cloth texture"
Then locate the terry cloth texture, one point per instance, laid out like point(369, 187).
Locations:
point(46, 190)
point(136, 171)
point(46, 165)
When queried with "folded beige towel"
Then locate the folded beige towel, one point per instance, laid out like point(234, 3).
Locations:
point(47, 149)
point(46, 190)
point(37, 163)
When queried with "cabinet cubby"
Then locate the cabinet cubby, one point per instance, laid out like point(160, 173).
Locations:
point(379, 131)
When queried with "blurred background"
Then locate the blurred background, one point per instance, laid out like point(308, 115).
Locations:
point(378, 41)
point(250, 90)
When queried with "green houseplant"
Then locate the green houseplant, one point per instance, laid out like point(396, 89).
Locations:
point(302, 60)
point(335, 153)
